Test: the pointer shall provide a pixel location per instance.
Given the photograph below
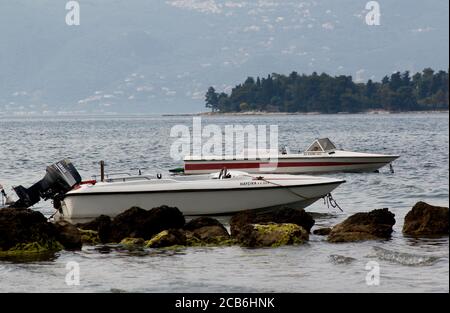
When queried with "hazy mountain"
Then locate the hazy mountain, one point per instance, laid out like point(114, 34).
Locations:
point(161, 56)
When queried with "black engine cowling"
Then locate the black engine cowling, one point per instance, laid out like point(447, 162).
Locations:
point(61, 177)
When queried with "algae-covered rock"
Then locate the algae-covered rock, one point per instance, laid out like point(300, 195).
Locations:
point(139, 223)
point(89, 237)
point(373, 225)
point(32, 251)
point(206, 231)
point(24, 232)
point(192, 240)
point(167, 238)
point(35, 247)
point(426, 220)
point(214, 238)
point(212, 234)
point(132, 242)
point(68, 235)
point(280, 216)
point(272, 235)
point(101, 225)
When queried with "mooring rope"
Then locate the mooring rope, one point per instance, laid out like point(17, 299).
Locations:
point(328, 199)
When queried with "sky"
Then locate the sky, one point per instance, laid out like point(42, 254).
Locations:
point(160, 56)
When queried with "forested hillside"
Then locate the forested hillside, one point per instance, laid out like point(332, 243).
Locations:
point(326, 94)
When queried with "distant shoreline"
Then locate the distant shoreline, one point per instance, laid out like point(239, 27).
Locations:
point(262, 113)
point(206, 114)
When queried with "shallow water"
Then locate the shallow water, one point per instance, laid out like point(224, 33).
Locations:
point(27, 145)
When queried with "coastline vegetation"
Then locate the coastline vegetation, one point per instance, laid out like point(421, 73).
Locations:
point(424, 91)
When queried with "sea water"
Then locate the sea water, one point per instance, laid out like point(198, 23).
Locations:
point(133, 143)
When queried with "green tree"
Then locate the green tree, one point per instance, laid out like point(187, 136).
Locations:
point(212, 99)
point(244, 107)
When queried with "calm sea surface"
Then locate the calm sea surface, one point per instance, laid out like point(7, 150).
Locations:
point(28, 145)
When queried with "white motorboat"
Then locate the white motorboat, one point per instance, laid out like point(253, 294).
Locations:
point(320, 157)
point(220, 193)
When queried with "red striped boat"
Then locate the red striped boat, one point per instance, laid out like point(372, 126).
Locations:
point(320, 157)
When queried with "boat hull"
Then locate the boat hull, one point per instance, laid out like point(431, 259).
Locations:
point(196, 203)
point(303, 165)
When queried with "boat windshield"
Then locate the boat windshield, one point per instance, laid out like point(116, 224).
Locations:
point(321, 145)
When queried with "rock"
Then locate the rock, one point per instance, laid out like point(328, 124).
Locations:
point(373, 225)
point(95, 224)
point(101, 225)
point(272, 235)
point(281, 216)
point(322, 231)
point(201, 222)
point(135, 223)
point(167, 238)
point(89, 237)
point(24, 231)
point(192, 240)
point(68, 235)
point(211, 234)
point(104, 229)
point(32, 251)
point(426, 220)
point(207, 231)
point(133, 242)
point(140, 223)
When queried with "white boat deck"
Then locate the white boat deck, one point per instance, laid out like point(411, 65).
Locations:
point(202, 183)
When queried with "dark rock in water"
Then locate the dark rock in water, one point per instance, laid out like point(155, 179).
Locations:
point(201, 222)
point(167, 238)
point(284, 215)
point(426, 220)
point(271, 235)
point(140, 223)
point(192, 240)
point(104, 229)
point(68, 235)
point(24, 231)
point(373, 225)
point(322, 231)
point(207, 231)
point(216, 235)
point(95, 224)
point(210, 232)
point(101, 225)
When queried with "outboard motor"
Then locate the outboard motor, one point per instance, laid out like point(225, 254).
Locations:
point(61, 177)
